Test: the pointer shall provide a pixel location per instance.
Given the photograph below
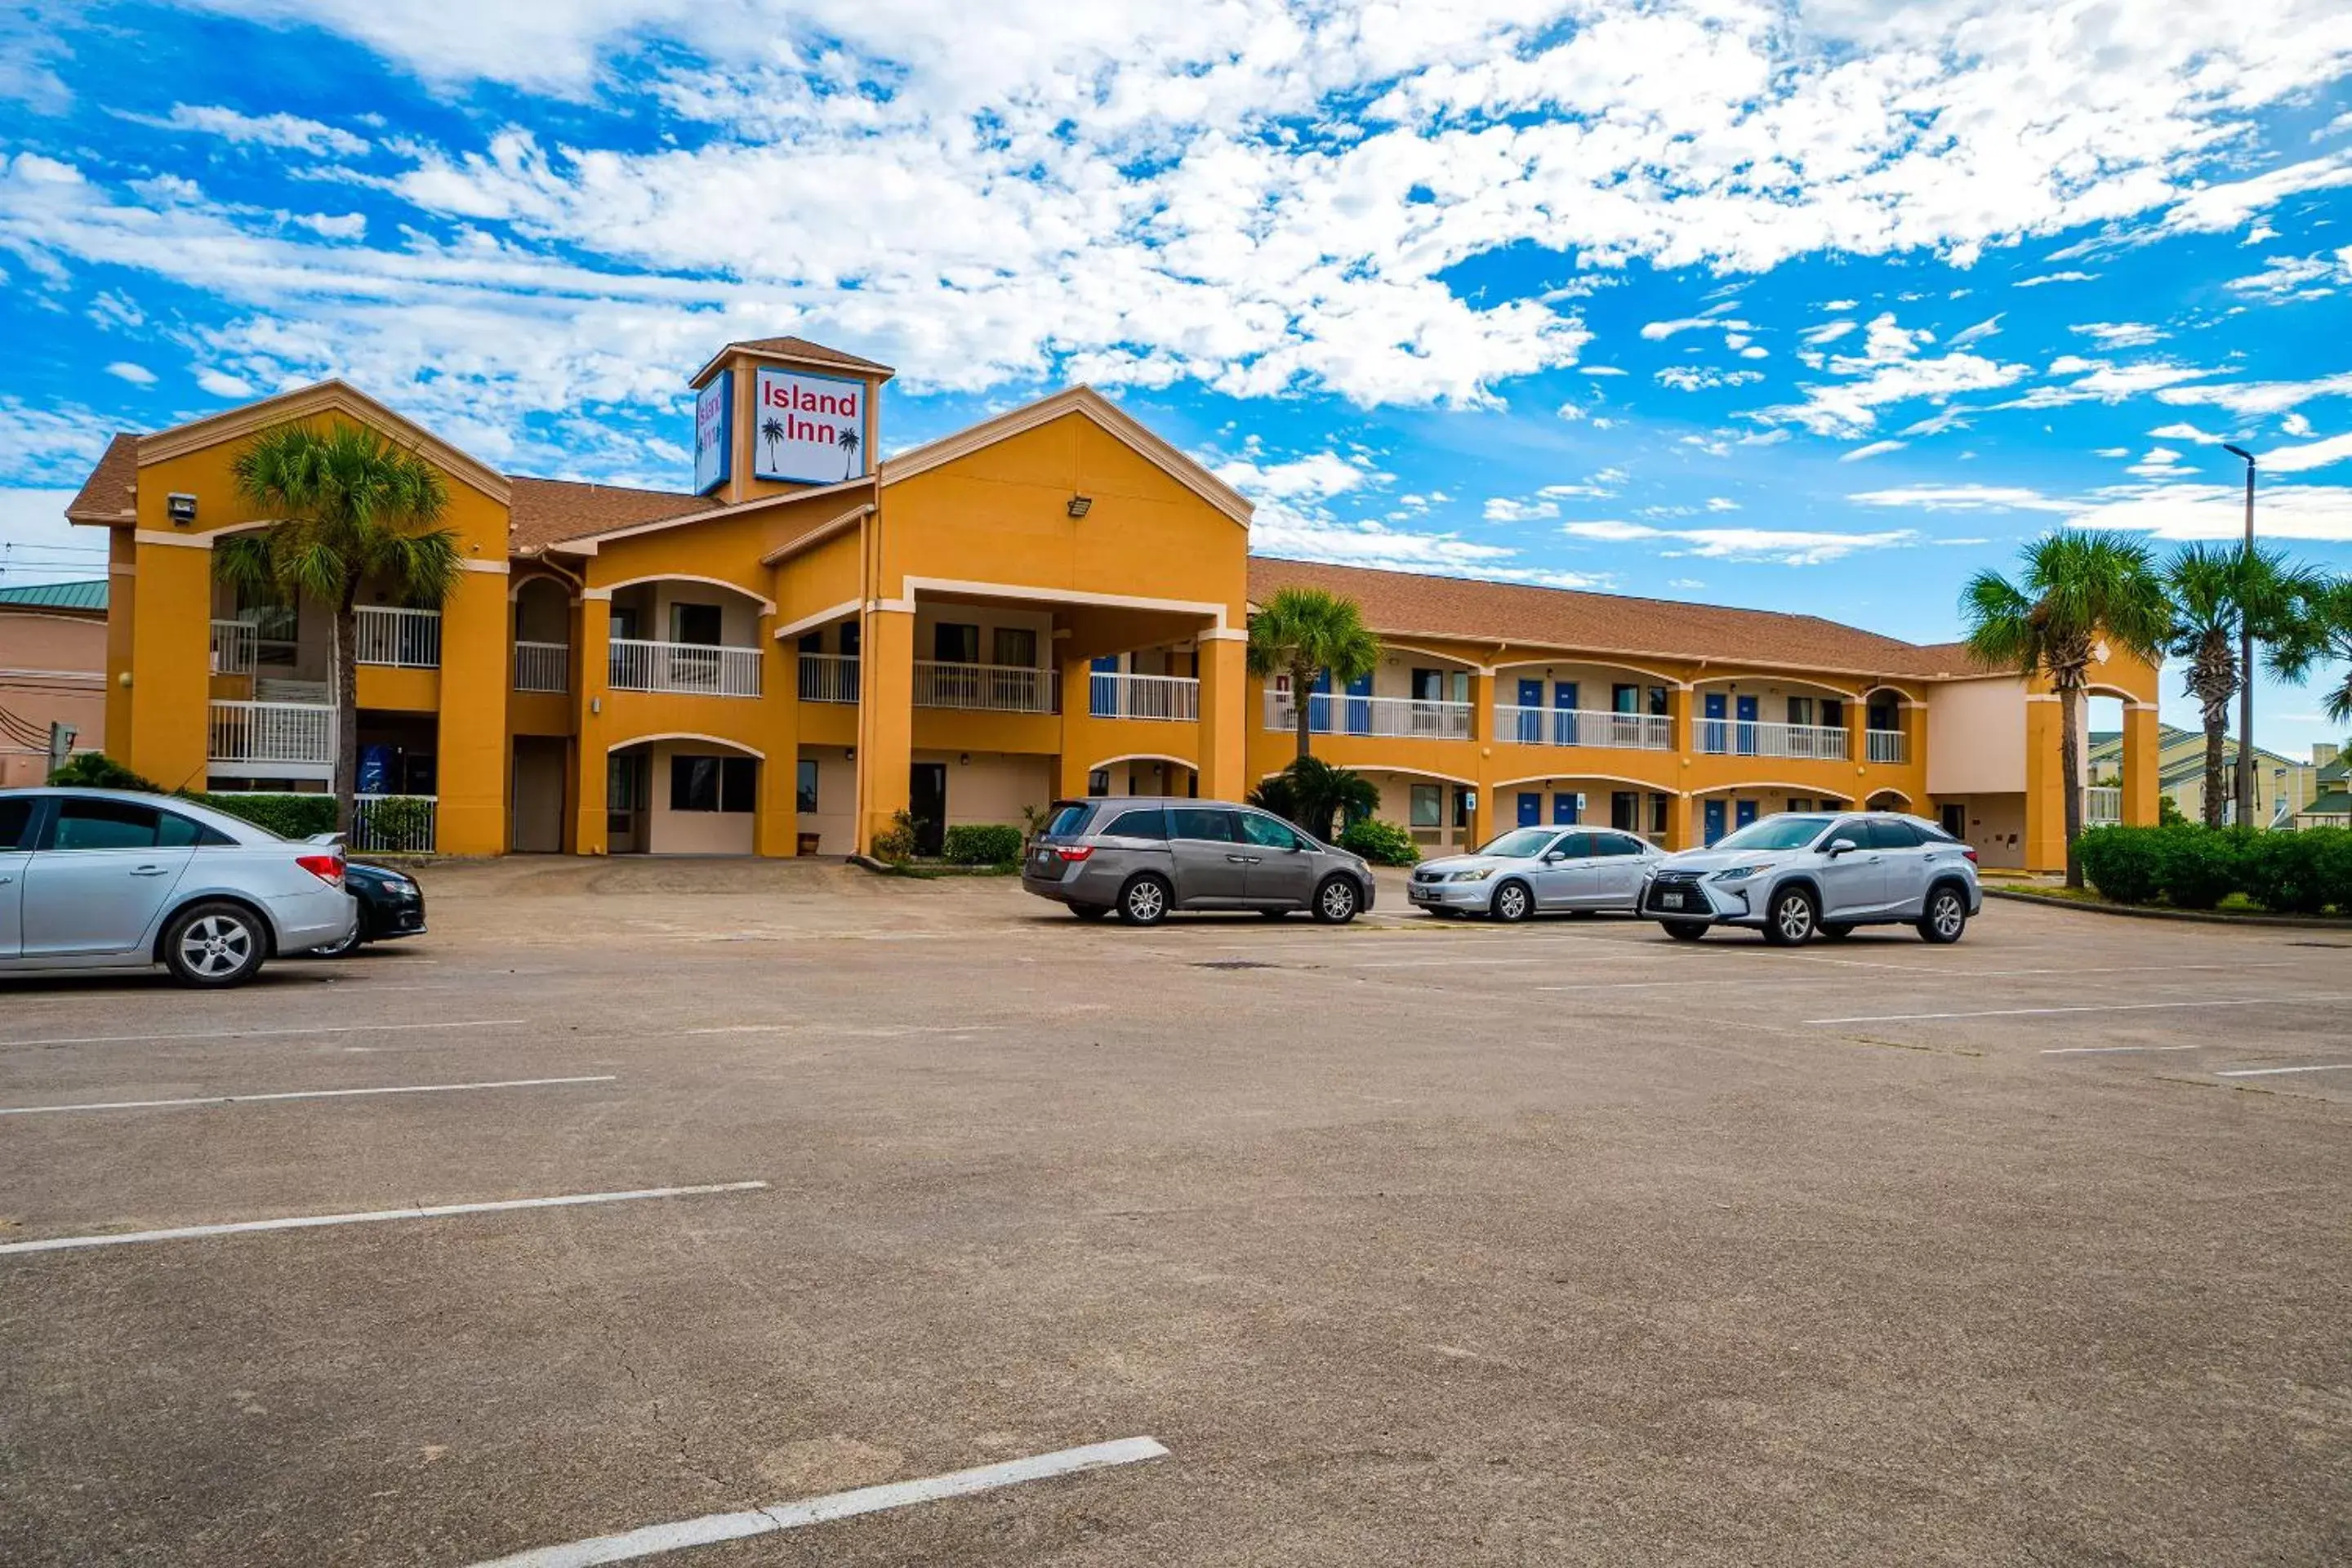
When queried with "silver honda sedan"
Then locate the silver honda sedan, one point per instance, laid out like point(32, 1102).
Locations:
point(97, 878)
point(1532, 870)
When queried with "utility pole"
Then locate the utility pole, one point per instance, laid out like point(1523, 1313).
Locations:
point(2246, 663)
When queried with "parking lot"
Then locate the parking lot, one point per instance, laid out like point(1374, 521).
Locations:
point(1409, 1242)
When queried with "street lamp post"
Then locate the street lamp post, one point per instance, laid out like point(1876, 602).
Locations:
point(2246, 663)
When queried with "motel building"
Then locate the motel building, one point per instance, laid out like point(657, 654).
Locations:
point(779, 656)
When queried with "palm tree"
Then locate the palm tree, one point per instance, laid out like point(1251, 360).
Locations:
point(2216, 591)
point(2321, 633)
point(1300, 632)
point(771, 431)
point(350, 509)
point(2077, 589)
point(1310, 793)
point(847, 442)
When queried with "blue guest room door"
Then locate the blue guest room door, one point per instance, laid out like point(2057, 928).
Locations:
point(1530, 809)
point(1712, 739)
point(1360, 706)
point(1714, 820)
point(1563, 719)
point(1743, 811)
point(1531, 725)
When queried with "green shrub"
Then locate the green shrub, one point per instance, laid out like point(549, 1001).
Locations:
point(981, 843)
point(96, 769)
point(2335, 864)
point(2288, 871)
point(2199, 867)
point(2123, 863)
point(1382, 842)
point(287, 816)
point(897, 847)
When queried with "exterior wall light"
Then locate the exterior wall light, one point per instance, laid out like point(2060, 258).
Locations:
point(1078, 505)
point(180, 508)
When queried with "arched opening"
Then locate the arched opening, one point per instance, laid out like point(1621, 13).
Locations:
point(1143, 772)
point(2106, 760)
point(682, 794)
point(542, 636)
point(1888, 800)
point(689, 635)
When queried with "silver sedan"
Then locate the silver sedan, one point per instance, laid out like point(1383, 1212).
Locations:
point(1532, 870)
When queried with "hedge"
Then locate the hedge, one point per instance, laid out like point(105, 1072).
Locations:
point(287, 816)
point(981, 843)
point(1382, 842)
point(2192, 867)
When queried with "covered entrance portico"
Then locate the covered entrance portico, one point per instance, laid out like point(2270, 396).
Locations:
point(682, 794)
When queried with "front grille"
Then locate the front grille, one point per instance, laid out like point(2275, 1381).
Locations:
point(1683, 882)
point(1428, 876)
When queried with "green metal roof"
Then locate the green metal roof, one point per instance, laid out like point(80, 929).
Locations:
point(2329, 802)
point(90, 595)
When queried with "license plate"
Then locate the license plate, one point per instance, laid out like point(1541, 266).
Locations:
point(1670, 901)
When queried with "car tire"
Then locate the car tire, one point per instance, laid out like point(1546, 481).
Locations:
point(1336, 900)
point(1947, 915)
point(1512, 903)
point(1837, 931)
point(1090, 912)
point(1144, 900)
point(216, 944)
point(1791, 920)
point(1684, 931)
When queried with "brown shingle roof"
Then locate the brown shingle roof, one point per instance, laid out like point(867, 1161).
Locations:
point(110, 494)
point(801, 348)
point(1401, 604)
point(545, 511)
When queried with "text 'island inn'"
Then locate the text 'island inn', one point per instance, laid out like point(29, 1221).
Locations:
point(1055, 602)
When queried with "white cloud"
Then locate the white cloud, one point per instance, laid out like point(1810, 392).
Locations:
point(1278, 531)
point(2113, 451)
point(56, 442)
point(1721, 503)
point(1875, 449)
point(1600, 370)
point(2159, 463)
point(1962, 498)
point(2226, 206)
point(2253, 398)
point(2295, 424)
point(1510, 509)
point(2180, 430)
point(2098, 380)
point(2285, 278)
point(136, 375)
point(1703, 378)
point(1572, 412)
point(2316, 455)
point(2303, 513)
point(1319, 475)
point(221, 384)
point(2037, 282)
point(1986, 328)
point(1788, 547)
point(2119, 334)
point(289, 131)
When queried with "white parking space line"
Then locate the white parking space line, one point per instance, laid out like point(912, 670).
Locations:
point(2113, 1050)
point(262, 1034)
point(2090, 1007)
point(2273, 1072)
point(654, 1539)
point(307, 1222)
point(301, 1094)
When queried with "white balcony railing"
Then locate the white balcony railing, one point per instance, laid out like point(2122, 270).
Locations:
point(395, 824)
point(1754, 738)
point(405, 640)
point(2103, 806)
point(543, 666)
point(1339, 714)
point(704, 669)
point(828, 678)
point(1887, 746)
point(283, 733)
point(1584, 727)
point(989, 687)
point(1111, 694)
point(234, 646)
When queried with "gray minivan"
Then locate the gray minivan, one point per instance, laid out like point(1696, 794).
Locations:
point(1144, 855)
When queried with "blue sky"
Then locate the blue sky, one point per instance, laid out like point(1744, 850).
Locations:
point(1808, 306)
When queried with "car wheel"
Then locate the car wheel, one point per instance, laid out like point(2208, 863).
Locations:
point(1090, 912)
point(215, 945)
point(1790, 919)
point(1336, 901)
point(1144, 901)
point(1512, 903)
point(1684, 931)
point(1947, 916)
point(1837, 931)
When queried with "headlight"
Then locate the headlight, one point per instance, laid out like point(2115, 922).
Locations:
point(1480, 875)
point(1737, 873)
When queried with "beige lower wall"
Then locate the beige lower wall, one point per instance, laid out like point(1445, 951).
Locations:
point(993, 785)
point(1996, 826)
point(834, 822)
point(539, 769)
point(1396, 807)
point(692, 832)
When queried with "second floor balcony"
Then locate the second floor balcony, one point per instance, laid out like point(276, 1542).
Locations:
point(1113, 695)
point(987, 688)
point(1755, 738)
point(1584, 727)
point(699, 669)
point(1331, 714)
point(266, 737)
point(543, 666)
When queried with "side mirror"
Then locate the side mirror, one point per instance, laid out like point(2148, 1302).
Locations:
point(1553, 858)
point(1840, 846)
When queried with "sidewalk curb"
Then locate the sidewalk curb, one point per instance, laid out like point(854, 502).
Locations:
point(2192, 917)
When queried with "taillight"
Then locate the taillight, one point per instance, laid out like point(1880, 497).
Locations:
point(327, 868)
point(1074, 851)
point(1971, 851)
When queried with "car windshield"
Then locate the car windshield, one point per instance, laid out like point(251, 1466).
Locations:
point(1520, 843)
point(1782, 832)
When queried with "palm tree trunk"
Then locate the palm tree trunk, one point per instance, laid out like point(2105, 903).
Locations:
point(2217, 728)
point(347, 709)
point(1302, 700)
point(2070, 776)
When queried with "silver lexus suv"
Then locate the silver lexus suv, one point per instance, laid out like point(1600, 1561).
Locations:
point(1144, 855)
point(1798, 874)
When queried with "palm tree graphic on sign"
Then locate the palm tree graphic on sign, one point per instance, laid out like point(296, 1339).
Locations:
point(772, 432)
point(847, 442)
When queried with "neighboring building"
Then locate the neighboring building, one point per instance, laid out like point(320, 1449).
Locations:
point(2331, 801)
point(52, 670)
point(1052, 602)
point(2281, 785)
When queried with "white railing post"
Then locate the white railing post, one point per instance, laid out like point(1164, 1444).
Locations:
point(1531, 726)
point(1114, 695)
point(828, 678)
point(1887, 746)
point(287, 733)
point(543, 666)
point(986, 688)
point(234, 646)
point(403, 638)
point(708, 669)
